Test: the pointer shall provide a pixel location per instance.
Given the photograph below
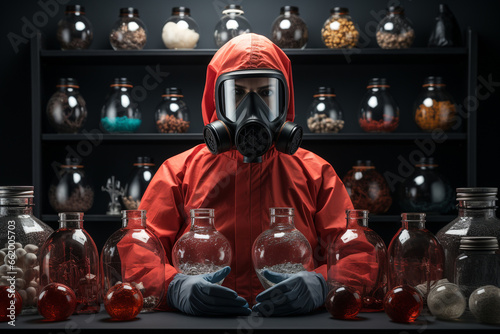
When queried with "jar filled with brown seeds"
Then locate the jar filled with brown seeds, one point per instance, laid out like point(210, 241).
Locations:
point(289, 30)
point(129, 32)
point(339, 30)
point(172, 114)
point(325, 113)
point(395, 31)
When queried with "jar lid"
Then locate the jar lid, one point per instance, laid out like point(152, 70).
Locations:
point(16, 191)
point(181, 9)
point(173, 91)
point(478, 243)
point(339, 10)
point(75, 9)
point(325, 90)
point(293, 9)
point(129, 11)
point(433, 81)
point(144, 161)
point(121, 82)
point(377, 82)
point(477, 194)
point(426, 162)
point(67, 82)
point(366, 164)
point(396, 9)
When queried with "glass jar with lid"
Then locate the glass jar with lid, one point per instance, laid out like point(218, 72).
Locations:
point(339, 30)
point(378, 112)
point(172, 114)
point(476, 217)
point(135, 255)
point(21, 236)
point(282, 248)
point(232, 23)
point(435, 107)
point(66, 109)
point(128, 32)
point(120, 114)
point(180, 30)
point(74, 31)
point(289, 30)
point(137, 183)
point(395, 31)
point(325, 113)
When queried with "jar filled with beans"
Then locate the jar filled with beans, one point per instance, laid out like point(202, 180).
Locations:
point(339, 30)
point(435, 107)
point(325, 113)
point(172, 114)
point(378, 111)
point(395, 31)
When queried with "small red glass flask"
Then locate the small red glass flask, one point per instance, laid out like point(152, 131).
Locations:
point(343, 302)
point(56, 302)
point(11, 304)
point(403, 304)
point(123, 302)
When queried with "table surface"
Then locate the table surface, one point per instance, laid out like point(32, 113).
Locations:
point(175, 322)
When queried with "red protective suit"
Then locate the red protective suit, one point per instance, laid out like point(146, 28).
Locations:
point(242, 193)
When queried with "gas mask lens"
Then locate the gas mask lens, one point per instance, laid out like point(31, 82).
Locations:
point(270, 90)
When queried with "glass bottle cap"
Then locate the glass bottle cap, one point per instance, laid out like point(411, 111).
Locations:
point(339, 10)
point(16, 191)
point(478, 243)
point(75, 9)
point(293, 9)
point(67, 82)
point(129, 11)
point(477, 194)
point(181, 9)
point(377, 82)
point(396, 9)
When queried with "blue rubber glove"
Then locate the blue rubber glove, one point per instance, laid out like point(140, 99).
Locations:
point(198, 295)
point(293, 294)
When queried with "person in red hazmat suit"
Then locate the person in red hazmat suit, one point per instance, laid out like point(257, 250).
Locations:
point(251, 161)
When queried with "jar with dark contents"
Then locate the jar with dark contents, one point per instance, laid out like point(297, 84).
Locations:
point(66, 109)
point(71, 190)
point(74, 31)
point(172, 114)
point(232, 23)
point(289, 30)
point(129, 32)
point(339, 30)
point(325, 113)
point(137, 183)
point(120, 114)
point(435, 107)
point(395, 31)
point(367, 188)
point(180, 30)
point(379, 111)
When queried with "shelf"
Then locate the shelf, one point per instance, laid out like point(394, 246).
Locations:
point(141, 137)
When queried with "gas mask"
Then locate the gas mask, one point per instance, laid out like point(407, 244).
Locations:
point(251, 108)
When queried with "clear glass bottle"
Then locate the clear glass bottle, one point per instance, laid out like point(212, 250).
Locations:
point(71, 190)
point(358, 258)
point(289, 31)
point(282, 248)
point(325, 113)
point(180, 30)
point(70, 257)
point(172, 113)
point(21, 236)
point(74, 31)
point(128, 32)
point(120, 114)
point(339, 30)
point(135, 255)
point(66, 109)
point(477, 264)
point(378, 112)
point(232, 23)
point(137, 183)
point(476, 218)
point(395, 31)
point(416, 257)
point(434, 107)
point(203, 249)
point(426, 190)
point(367, 188)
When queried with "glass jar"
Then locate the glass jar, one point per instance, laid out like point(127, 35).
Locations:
point(180, 31)
point(477, 264)
point(325, 113)
point(379, 112)
point(231, 24)
point(138, 182)
point(70, 257)
point(21, 236)
point(416, 257)
point(434, 106)
point(66, 109)
point(476, 218)
point(128, 32)
point(426, 190)
point(282, 248)
point(120, 114)
point(289, 31)
point(135, 255)
point(74, 31)
point(394, 31)
point(367, 188)
point(71, 190)
point(172, 114)
point(358, 258)
point(203, 249)
point(339, 30)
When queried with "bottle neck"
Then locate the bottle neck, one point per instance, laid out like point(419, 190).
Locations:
point(202, 223)
point(282, 222)
point(71, 224)
point(413, 225)
point(476, 212)
point(356, 218)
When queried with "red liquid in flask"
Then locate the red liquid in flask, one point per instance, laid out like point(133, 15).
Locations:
point(56, 302)
point(343, 302)
point(123, 301)
point(403, 304)
point(11, 304)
